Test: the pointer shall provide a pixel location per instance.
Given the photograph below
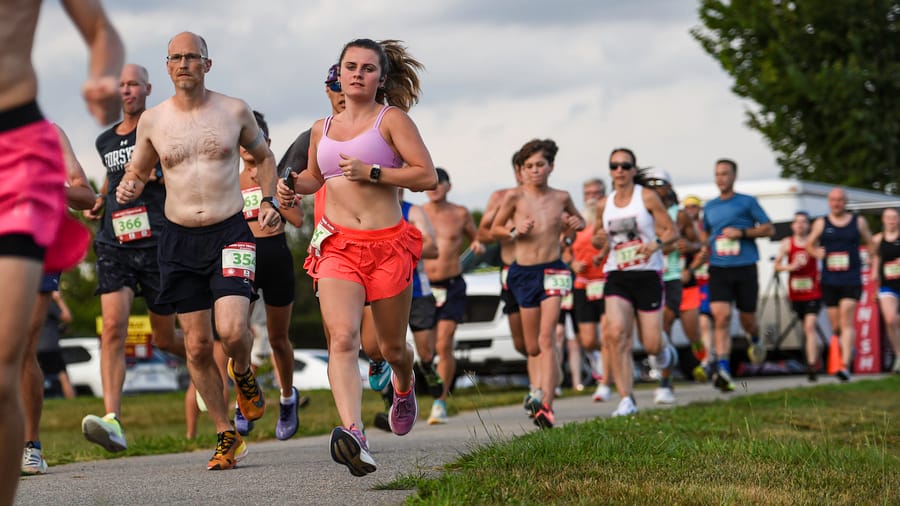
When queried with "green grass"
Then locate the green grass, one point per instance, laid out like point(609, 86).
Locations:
point(834, 444)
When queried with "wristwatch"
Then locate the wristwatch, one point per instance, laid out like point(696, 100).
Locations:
point(375, 173)
point(271, 200)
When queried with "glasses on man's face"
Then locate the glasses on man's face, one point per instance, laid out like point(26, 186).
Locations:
point(187, 57)
point(335, 86)
point(621, 165)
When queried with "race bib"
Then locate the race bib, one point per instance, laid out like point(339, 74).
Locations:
point(131, 224)
point(594, 289)
point(802, 283)
point(239, 260)
point(702, 272)
point(567, 302)
point(726, 247)
point(504, 274)
point(440, 296)
point(323, 231)
point(252, 199)
point(627, 254)
point(838, 261)
point(557, 281)
point(892, 269)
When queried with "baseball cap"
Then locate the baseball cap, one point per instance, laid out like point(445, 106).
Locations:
point(657, 173)
point(442, 175)
point(332, 74)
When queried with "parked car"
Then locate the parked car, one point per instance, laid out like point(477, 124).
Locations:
point(161, 372)
point(311, 370)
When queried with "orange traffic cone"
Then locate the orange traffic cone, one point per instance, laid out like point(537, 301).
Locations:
point(835, 362)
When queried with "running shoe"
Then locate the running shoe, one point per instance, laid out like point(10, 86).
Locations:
point(288, 417)
point(382, 422)
point(756, 352)
point(404, 410)
point(664, 395)
point(602, 394)
point(699, 374)
point(812, 373)
point(699, 351)
point(32, 460)
point(626, 407)
point(349, 447)
point(432, 380)
point(843, 375)
point(544, 418)
point(250, 397)
point(722, 380)
point(532, 403)
point(106, 432)
point(379, 374)
point(438, 413)
point(230, 449)
point(241, 424)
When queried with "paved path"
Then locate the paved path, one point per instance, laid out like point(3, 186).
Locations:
point(300, 471)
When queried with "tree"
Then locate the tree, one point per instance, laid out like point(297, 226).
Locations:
point(826, 77)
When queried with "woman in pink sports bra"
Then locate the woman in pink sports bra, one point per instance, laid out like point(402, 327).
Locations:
point(362, 250)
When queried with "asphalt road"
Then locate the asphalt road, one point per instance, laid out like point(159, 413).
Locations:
point(300, 471)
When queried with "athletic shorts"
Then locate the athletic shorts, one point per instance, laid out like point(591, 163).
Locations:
point(192, 274)
point(136, 268)
point(383, 261)
point(734, 284)
point(422, 313)
point(805, 307)
point(49, 283)
point(672, 290)
point(32, 195)
point(51, 362)
point(274, 270)
point(587, 311)
point(527, 282)
point(690, 298)
point(510, 306)
point(704, 300)
point(832, 294)
point(450, 298)
point(886, 291)
point(643, 289)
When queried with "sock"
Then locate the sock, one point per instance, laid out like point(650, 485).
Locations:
point(665, 382)
point(288, 400)
point(34, 444)
point(724, 365)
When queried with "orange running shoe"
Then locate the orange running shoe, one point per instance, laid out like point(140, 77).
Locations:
point(250, 397)
point(229, 450)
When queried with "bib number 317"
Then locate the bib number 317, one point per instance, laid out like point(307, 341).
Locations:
point(239, 260)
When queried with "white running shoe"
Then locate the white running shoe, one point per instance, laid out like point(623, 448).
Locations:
point(33, 461)
point(438, 413)
point(106, 432)
point(664, 395)
point(602, 394)
point(626, 407)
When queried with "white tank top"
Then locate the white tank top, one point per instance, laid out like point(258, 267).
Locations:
point(628, 227)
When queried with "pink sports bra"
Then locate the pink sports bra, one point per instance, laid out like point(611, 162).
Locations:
point(369, 146)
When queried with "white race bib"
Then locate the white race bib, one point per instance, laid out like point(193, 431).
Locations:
point(838, 261)
point(627, 254)
point(323, 231)
point(440, 296)
point(801, 283)
point(567, 302)
point(557, 281)
point(892, 269)
point(131, 224)
point(726, 247)
point(239, 260)
point(252, 200)
point(594, 289)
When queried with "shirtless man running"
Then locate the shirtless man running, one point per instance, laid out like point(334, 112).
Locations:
point(207, 253)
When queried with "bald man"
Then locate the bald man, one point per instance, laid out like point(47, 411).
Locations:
point(207, 255)
point(835, 240)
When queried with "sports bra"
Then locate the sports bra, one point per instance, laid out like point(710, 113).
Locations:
point(369, 146)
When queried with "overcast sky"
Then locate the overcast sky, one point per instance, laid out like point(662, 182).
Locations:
point(591, 74)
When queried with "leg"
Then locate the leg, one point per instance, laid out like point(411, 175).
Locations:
point(618, 339)
point(446, 367)
point(341, 303)
point(391, 319)
point(515, 329)
point(749, 323)
point(278, 321)
point(65, 384)
point(889, 308)
point(165, 335)
point(115, 307)
point(574, 351)
point(531, 322)
point(32, 376)
point(847, 308)
point(721, 312)
point(426, 343)
point(369, 335)
point(205, 375)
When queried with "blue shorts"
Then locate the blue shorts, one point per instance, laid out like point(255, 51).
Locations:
point(453, 305)
point(136, 268)
point(49, 282)
point(704, 300)
point(886, 291)
point(526, 282)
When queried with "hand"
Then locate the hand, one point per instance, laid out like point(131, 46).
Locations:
point(577, 266)
point(819, 253)
point(574, 222)
point(354, 169)
point(95, 212)
point(525, 227)
point(732, 232)
point(600, 238)
point(268, 218)
point(102, 98)
point(128, 189)
point(286, 196)
point(597, 259)
point(477, 247)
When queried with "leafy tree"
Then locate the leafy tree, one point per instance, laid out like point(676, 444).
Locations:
point(826, 77)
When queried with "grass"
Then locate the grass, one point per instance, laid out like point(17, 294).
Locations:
point(832, 444)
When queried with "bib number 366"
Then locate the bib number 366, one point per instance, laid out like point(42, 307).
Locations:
point(239, 260)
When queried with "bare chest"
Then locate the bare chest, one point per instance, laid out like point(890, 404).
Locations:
point(185, 138)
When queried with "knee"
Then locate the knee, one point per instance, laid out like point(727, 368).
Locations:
point(533, 351)
point(343, 341)
point(198, 350)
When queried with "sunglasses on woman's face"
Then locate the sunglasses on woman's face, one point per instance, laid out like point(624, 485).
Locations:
point(621, 165)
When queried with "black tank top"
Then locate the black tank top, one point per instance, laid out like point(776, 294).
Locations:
point(889, 270)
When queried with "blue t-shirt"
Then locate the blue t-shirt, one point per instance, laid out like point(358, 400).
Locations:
point(740, 211)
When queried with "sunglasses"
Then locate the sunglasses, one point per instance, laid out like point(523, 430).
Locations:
point(335, 86)
point(656, 183)
point(621, 165)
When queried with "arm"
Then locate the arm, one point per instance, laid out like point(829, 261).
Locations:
point(95, 211)
point(600, 238)
point(79, 194)
point(689, 242)
point(65, 314)
point(254, 141)
point(574, 220)
point(875, 257)
point(100, 90)
point(665, 228)
point(783, 250)
point(812, 241)
point(484, 235)
point(499, 229)
point(419, 219)
point(764, 227)
point(865, 236)
point(143, 158)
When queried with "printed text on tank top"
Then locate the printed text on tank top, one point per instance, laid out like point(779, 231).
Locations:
point(369, 147)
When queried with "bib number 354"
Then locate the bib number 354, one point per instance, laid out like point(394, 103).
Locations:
point(239, 260)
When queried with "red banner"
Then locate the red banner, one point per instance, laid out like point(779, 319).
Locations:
point(867, 324)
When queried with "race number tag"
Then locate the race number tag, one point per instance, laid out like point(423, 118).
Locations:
point(440, 296)
point(323, 231)
point(892, 269)
point(239, 260)
point(504, 274)
point(252, 199)
point(567, 302)
point(594, 289)
point(838, 261)
point(726, 247)
point(557, 281)
point(801, 283)
point(627, 254)
point(702, 273)
point(131, 224)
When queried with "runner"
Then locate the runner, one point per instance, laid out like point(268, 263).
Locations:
point(731, 223)
point(697, 302)
point(32, 193)
point(804, 290)
point(634, 225)
point(538, 278)
point(126, 249)
point(886, 264)
point(362, 250)
point(835, 240)
point(207, 254)
point(452, 224)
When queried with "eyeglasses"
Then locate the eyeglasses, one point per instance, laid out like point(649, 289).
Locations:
point(657, 183)
point(335, 86)
point(621, 165)
point(187, 57)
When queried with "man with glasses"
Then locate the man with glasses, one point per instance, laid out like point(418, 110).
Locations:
point(731, 223)
point(207, 254)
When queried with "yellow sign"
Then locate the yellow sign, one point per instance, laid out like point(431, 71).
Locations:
point(139, 337)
